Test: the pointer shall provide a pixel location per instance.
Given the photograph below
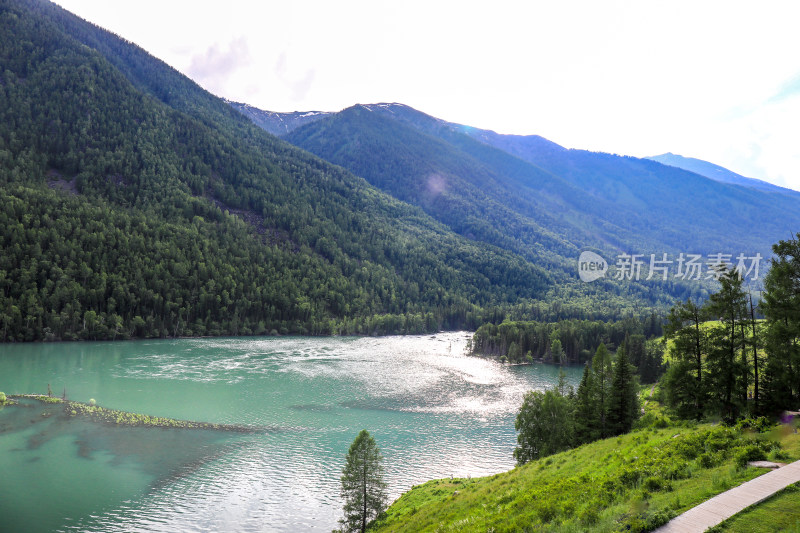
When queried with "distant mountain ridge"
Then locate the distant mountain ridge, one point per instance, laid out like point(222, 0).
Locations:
point(278, 123)
point(718, 173)
point(543, 201)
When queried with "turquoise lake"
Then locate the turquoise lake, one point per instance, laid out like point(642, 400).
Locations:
point(433, 411)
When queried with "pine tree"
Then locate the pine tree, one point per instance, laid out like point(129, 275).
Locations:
point(587, 427)
point(685, 382)
point(602, 374)
point(363, 487)
point(624, 405)
point(729, 375)
point(781, 307)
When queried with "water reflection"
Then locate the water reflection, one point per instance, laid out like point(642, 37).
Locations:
point(434, 412)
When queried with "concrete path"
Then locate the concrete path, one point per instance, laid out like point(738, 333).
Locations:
point(725, 505)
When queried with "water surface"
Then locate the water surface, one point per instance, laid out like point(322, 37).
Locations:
point(433, 411)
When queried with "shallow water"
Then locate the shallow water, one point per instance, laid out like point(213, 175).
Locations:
point(433, 411)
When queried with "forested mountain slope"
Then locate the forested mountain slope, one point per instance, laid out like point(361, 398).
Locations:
point(635, 203)
point(491, 196)
point(613, 203)
point(134, 203)
point(718, 173)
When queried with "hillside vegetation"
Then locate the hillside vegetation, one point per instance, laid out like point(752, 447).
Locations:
point(135, 204)
point(634, 482)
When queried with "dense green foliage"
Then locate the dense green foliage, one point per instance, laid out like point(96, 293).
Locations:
point(634, 482)
point(577, 340)
point(544, 424)
point(489, 195)
point(133, 203)
point(736, 365)
point(781, 307)
point(363, 486)
point(605, 404)
point(545, 202)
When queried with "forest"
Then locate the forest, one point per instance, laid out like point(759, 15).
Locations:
point(135, 204)
point(726, 363)
point(574, 342)
point(716, 361)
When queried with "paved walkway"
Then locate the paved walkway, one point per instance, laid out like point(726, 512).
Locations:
point(725, 505)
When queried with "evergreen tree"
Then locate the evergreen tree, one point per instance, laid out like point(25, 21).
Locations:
point(684, 383)
point(729, 374)
point(363, 487)
point(587, 427)
point(602, 375)
point(781, 307)
point(624, 406)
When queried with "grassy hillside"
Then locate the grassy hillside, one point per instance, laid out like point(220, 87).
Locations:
point(633, 482)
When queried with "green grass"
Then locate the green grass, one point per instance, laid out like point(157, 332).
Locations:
point(634, 482)
point(781, 512)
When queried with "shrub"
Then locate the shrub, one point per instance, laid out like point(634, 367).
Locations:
point(653, 484)
point(92, 402)
point(778, 455)
point(610, 486)
point(658, 518)
point(709, 459)
point(688, 447)
point(589, 516)
point(2, 397)
point(749, 453)
point(629, 477)
point(547, 511)
point(719, 439)
point(760, 424)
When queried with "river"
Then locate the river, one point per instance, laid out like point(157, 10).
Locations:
point(433, 411)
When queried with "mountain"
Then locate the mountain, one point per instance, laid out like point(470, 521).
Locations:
point(543, 201)
point(718, 173)
point(546, 203)
point(135, 204)
point(278, 123)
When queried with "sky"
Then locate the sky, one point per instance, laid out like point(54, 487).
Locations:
point(718, 81)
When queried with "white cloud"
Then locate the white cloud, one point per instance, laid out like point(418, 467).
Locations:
point(214, 67)
point(714, 80)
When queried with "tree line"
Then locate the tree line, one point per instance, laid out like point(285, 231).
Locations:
point(605, 404)
point(723, 361)
point(574, 342)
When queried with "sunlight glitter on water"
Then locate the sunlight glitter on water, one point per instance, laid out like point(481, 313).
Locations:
point(434, 411)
